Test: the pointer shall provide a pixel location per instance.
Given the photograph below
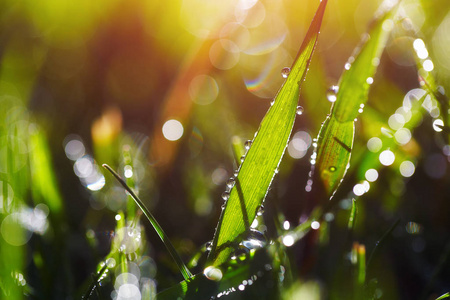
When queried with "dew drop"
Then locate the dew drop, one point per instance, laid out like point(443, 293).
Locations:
point(255, 239)
point(285, 72)
point(231, 182)
point(260, 211)
point(347, 66)
point(331, 93)
point(248, 144)
point(288, 240)
point(225, 195)
point(242, 158)
point(332, 169)
point(208, 246)
point(438, 125)
point(213, 273)
point(299, 110)
point(315, 225)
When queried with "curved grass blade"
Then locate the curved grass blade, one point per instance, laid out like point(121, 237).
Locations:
point(164, 238)
point(335, 141)
point(262, 159)
point(382, 240)
point(95, 283)
point(444, 296)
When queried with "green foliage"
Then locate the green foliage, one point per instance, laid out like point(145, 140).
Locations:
point(263, 157)
point(335, 142)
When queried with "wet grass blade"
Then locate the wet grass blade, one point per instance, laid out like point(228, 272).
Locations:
point(262, 159)
point(446, 295)
point(164, 238)
point(336, 136)
point(352, 218)
point(239, 271)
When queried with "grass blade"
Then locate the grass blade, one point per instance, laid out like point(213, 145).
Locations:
point(336, 136)
point(352, 218)
point(446, 295)
point(262, 159)
point(381, 241)
point(164, 238)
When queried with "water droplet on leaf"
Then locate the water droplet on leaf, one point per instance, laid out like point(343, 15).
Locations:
point(299, 110)
point(285, 72)
point(332, 92)
point(248, 144)
point(255, 239)
point(225, 195)
point(213, 273)
point(260, 211)
point(231, 182)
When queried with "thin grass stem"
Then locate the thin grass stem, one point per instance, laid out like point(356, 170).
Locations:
point(162, 235)
point(381, 240)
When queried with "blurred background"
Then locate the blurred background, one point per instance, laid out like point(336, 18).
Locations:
point(162, 90)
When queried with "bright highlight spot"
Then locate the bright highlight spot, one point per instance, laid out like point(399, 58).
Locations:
point(374, 144)
point(97, 183)
point(396, 121)
point(413, 96)
point(437, 125)
point(418, 44)
point(407, 168)
point(371, 175)
point(288, 240)
point(286, 225)
point(172, 130)
point(84, 166)
point(74, 148)
point(387, 157)
point(315, 225)
point(299, 144)
point(361, 188)
point(428, 65)
point(128, 171)
point(403, 136)
point(213, 273)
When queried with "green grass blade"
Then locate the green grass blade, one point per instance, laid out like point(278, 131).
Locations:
point(238, 271)
point(446, 295)
point(381, 241)
point(352, 218)
point(45, 187)
point(262, 159)
point(336, 136)
point(165, 239)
